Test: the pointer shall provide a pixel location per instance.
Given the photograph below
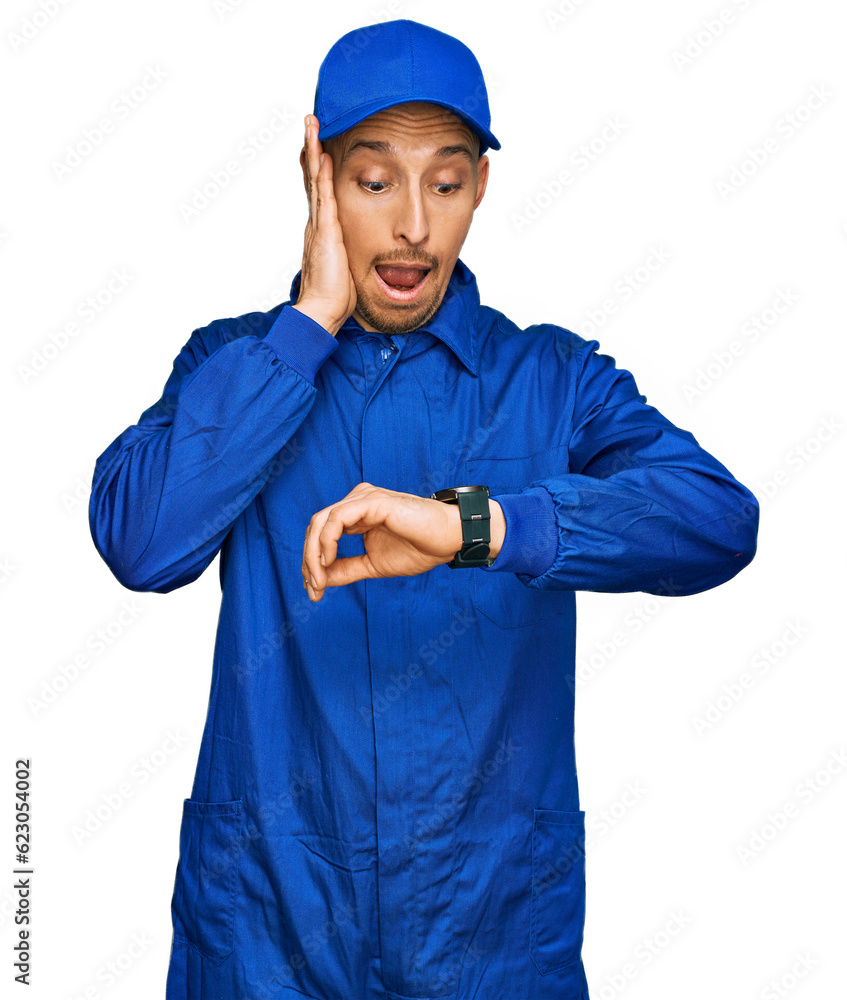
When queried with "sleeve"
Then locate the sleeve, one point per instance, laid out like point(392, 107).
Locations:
point(642, 507)
point(167, 490)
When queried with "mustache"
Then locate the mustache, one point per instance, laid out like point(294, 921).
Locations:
point(428, 263)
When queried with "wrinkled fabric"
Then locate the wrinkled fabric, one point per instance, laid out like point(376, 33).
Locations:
point(385, 805)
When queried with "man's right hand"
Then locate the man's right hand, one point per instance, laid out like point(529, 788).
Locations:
point(327, 290)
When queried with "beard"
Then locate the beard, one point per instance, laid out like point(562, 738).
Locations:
point(401, 319)
point(395, 317)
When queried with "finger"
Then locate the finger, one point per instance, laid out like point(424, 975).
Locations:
point(344, 571)
point(328, 525)
point(312, 567)
point(321, 546)
point(350, 569)
point(306, 165)
point(327, 207)
point(310, 169)
point(324, 216)
point(310, 546)
point(314, 157)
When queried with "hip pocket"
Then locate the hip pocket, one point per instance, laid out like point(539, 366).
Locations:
point(203, 903)
point(557, 907)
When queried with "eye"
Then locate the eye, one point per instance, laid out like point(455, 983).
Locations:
point(377, 187)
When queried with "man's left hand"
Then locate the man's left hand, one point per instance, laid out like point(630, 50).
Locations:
point(404, 535)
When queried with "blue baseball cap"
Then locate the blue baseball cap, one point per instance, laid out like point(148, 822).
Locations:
point(395, 62)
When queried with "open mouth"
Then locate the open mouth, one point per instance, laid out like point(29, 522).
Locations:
point(400, 276)
point(401, 282)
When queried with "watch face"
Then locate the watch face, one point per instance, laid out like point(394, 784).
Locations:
point(462, 489)
point(451, 493)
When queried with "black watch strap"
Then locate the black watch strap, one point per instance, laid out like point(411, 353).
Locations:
point(475, 513)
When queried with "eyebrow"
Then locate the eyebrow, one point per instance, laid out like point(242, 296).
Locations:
point(380, 146)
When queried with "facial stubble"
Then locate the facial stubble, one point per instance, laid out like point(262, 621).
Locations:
point(401, 318)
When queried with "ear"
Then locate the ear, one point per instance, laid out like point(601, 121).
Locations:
point(482, 179)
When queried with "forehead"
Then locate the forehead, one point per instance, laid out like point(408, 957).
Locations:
point(410, 127)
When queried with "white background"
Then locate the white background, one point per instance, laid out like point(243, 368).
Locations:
point(671, 847)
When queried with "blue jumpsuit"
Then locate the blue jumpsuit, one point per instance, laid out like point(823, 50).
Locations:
point(385, 805)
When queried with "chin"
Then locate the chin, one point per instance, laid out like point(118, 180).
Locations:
point(397, 318)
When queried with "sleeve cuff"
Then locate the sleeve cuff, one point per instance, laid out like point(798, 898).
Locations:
point(532, 533)
point(299, 341)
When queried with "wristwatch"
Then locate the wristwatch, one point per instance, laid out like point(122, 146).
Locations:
point(476, 524)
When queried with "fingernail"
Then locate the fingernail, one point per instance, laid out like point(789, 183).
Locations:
point(314, 582)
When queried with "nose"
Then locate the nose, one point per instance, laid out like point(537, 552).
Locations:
point(411, 222)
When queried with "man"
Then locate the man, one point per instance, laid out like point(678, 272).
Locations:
point(386, 803)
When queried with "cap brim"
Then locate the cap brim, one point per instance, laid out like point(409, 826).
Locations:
point(346, 121)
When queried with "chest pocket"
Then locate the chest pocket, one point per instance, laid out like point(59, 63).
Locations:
point(501, 597)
